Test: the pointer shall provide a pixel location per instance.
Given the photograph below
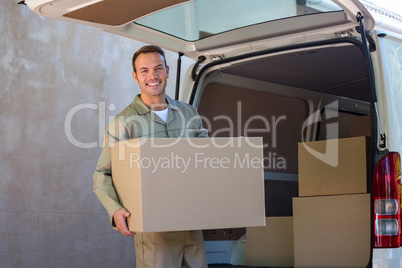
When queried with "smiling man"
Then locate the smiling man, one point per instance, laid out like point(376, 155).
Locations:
point(151, 75)
point(152, 114)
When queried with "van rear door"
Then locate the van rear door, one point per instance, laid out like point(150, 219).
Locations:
point(212, 28)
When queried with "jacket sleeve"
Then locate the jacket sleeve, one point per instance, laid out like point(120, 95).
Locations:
point(202, 132)
point(102, 178)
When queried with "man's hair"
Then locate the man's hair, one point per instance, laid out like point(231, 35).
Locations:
point(148, 49)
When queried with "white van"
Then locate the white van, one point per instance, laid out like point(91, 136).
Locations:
point(304, 69)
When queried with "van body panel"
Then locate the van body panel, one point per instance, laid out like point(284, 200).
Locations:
point(391, 89)
point(389, 258)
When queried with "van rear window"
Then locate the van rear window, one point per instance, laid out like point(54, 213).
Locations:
point(198, 19)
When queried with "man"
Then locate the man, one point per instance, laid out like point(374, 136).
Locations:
point(152, 114)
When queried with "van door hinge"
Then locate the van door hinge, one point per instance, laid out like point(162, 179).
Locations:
point(346, 33)
point(217, 57)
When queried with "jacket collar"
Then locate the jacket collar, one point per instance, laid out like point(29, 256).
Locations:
point(142, 108)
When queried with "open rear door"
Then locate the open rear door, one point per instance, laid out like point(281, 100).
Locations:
point(212, 27)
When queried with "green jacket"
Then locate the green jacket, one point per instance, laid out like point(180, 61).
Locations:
point(138, 121)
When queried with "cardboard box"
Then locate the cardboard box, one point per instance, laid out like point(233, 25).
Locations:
point(271, 245)
point(331, 167)
point(332, 231)
point(360, 126)
point(173, 184)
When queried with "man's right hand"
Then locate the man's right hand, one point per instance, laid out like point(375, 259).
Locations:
point(120, 219)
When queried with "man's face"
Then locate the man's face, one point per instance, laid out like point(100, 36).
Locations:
point(151, 74)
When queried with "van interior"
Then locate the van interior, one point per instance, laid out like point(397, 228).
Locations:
point(298, 94)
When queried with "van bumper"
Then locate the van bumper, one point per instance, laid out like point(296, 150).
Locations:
point(387, 257)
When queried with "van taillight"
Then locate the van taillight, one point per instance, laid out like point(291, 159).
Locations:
point(387, 201)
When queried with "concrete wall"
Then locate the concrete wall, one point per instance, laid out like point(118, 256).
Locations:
point(53, 72)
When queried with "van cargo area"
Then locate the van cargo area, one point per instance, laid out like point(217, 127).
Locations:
point(319, 92)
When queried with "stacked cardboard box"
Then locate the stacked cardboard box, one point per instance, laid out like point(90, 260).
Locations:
point(331, 218)
point(334, 167)
point(271, 245)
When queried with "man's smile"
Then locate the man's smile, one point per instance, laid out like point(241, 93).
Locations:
point(153, 84)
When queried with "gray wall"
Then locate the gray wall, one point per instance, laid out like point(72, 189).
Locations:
point(52, 72)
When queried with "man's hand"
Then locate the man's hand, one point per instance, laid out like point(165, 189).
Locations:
point(120, 217)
